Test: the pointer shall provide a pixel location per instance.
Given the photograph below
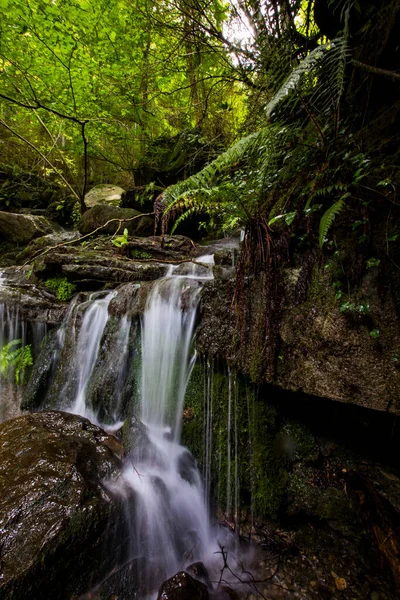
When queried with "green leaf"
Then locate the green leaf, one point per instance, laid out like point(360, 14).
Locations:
point(289, 217)
point(274, 220)
point(113, 36)
point(327, 219)
point(374, 333)
point(373, 262)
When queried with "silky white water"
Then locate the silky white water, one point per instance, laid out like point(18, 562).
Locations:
point(171, 526)
point(90, 334)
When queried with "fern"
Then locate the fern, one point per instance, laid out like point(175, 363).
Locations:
point(327, 219)
point(222, 189)
point(14, 360)
point(321, 74)
point(296, 77)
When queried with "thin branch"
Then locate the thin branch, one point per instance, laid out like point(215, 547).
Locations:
point(376, 71)
point(88, 234)
point(4, 124)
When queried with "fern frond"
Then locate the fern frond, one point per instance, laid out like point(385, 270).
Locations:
point(321, 73)
point(327, 219)
point(295, 78)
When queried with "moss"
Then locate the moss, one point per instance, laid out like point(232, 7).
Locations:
point(258, 479)
point(62, 288)
point(298, 443)
point(139, 254)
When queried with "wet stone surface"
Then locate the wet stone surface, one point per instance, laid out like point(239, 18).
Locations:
point(57, 514)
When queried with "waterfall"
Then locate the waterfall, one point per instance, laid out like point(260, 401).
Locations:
point(14, 328)
point(167, 330)
point(90, 334)
point(171, 526)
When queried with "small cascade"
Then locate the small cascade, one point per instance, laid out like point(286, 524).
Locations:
point(208, 430)
point(167, 330)
point(171, 526)
point(88, 344)
point(88, 361)
point(17, 336)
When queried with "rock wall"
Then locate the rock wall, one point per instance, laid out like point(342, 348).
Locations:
point(344, 351)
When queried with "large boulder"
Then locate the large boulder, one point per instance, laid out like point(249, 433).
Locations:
point(102, 213)
point(183, 586)
point(104, 193)
point(57, 513)
point(21, 228)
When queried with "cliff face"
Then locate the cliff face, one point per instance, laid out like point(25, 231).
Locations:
point(324, 346)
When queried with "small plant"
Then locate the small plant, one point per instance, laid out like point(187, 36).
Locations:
point(374, 333)
point(373, 262)
point(62, 288)
point(361, 309)
point(14, 360)
point(121, 240)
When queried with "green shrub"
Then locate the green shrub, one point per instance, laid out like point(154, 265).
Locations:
point(62, 288)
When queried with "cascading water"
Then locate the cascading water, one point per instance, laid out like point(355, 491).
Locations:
point(171, 524)
point(90, 334)
point(15, 335)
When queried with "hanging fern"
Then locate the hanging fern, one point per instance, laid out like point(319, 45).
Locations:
point(222, 188)
point(327, 219)
point(292, 83)
point(14, 360)
point(318, 81)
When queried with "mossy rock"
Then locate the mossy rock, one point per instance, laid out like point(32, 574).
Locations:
point(23, 228)
point(57, 515)
point(101, 213)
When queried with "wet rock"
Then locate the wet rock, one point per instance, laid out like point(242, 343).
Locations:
point(226, 257)
point(57, 515)
point(104, 193)
point(130, 300)
point(166, 247)
point(182, 586)
point(224, 273)
point(38, 245)
point(120, 585)
point(327, 353)
point(92, 270)
point(34, 303)
point(109, 272)
point(35, 391)
point(187, 467)
point(21, 229)
point(134, 435)
point(111, 388)
point(199, 571)
point(322, 351)
point(101, 213)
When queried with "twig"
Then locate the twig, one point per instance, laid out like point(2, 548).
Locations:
point(376, 71)
point(88, 234)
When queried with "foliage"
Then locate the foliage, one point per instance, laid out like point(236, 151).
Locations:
point(231, 190)
point(327, 219)
point(15, 358)
point(87, 87)
point(62, 288)
point(121, 240)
